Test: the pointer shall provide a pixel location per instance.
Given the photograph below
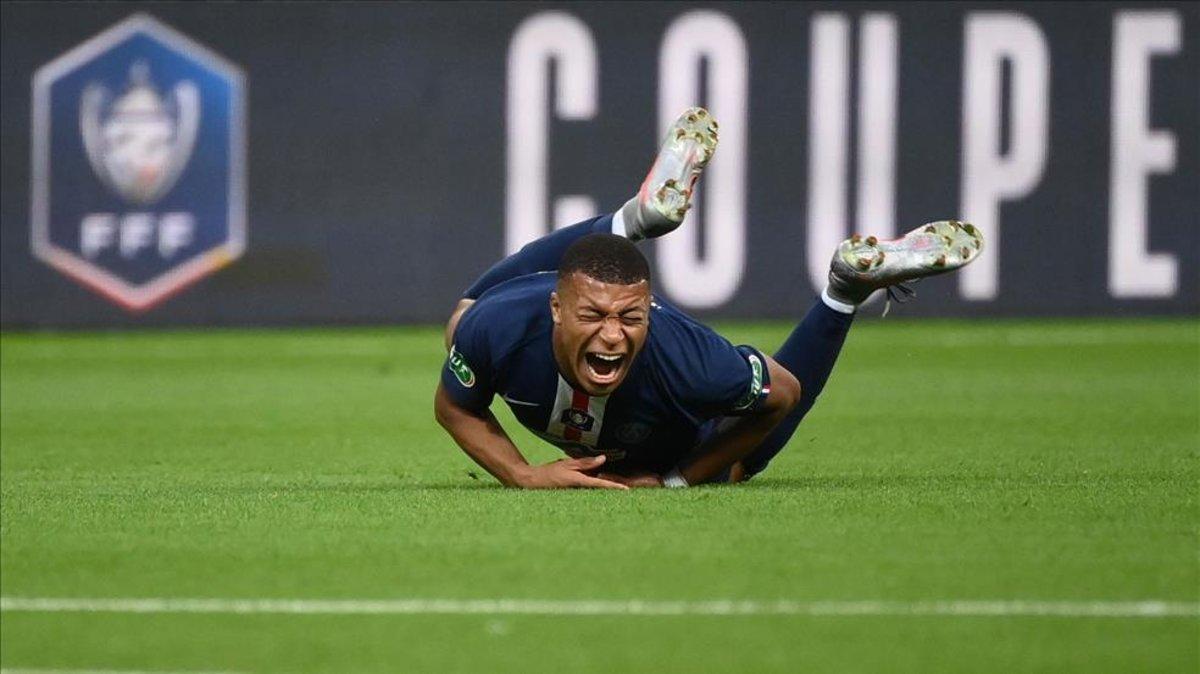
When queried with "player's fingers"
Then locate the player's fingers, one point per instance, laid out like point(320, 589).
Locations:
point(588, 462)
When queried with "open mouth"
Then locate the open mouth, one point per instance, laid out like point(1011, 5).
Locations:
point(604, 367)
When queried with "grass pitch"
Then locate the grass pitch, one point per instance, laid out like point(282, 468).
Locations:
point(986, 461)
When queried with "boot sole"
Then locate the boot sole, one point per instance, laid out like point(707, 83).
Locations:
point(688, 147)
point(934, 248)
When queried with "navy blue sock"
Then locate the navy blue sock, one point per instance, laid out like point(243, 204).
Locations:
point(540, 255)
point(809, 353)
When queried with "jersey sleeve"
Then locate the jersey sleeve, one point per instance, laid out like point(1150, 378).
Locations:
point(733, 382)
point(714, 378)
point(755, 391)
point(467, 373)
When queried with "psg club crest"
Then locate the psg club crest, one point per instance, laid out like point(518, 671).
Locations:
point(138, 162)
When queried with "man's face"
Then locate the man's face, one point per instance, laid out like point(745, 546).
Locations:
point(599, 328)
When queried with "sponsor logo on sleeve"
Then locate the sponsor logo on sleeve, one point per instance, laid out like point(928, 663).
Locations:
point(462, 371)
point(756, 385)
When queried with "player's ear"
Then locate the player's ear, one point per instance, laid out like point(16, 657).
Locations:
point(555, 308)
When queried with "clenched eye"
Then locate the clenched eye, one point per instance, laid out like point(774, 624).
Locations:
point(633, 319)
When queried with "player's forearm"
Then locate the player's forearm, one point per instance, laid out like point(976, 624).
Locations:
point(483, 439)
point(729, 445)
point(737, 437)
point(492, 450)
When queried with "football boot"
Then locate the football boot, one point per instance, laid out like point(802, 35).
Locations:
point(665, 195)
point(864, 264)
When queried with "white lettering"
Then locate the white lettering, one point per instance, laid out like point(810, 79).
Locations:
point(96, 232)
point(877, 65)
point(991, 38)
point(572, 209)
point(829, 85)
point(1137, 152)
point(132, 233)
point(137, 230)
point(175, 231)
point(715, 39)
point(543, 38)
point(828, 134)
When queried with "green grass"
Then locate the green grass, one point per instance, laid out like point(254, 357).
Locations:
point(983, 460)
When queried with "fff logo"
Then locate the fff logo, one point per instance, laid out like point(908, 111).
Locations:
point(138, 162)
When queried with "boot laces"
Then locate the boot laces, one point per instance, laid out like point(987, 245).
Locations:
point(899, 292)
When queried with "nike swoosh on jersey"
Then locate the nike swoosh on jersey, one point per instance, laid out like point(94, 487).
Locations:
point(519, 402)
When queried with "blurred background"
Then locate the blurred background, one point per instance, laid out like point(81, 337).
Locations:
point(294, 164)
point(980, 493)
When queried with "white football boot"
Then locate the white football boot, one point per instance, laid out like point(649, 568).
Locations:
point(666, 193)
point(863, 265)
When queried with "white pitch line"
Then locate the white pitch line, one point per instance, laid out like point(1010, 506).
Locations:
point(24, 670)
point(606, 607)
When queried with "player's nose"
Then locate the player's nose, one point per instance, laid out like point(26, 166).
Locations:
point(611, 331)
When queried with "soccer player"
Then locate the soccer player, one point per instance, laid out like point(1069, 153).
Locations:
point(567, 333)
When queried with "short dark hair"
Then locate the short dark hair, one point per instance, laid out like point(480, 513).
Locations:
point(608, 258)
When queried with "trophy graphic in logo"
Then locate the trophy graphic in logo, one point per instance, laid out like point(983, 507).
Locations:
point(138, 144)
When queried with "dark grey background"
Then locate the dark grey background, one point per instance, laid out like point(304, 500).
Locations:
point(377, 170)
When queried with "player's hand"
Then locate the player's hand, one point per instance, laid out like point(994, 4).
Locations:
point(636, 480)
point(567, 474)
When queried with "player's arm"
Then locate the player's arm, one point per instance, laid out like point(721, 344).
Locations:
point(738, 436)
point(481, 436)
point(452, 324)
point(461, 405)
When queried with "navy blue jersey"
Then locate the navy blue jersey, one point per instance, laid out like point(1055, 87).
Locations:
point(685, 376)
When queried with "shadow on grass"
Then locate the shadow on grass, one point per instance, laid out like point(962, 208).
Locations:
point(765, 483)
point(363, 488)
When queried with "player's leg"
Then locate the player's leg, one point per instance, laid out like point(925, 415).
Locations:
point(809, 353)
point(861, 266)
point(540, 255)
point(658, 207)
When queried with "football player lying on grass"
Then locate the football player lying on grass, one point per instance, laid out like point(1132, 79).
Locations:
point(567, 332)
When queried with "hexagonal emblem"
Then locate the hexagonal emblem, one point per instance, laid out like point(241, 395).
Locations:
point(138, 162)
